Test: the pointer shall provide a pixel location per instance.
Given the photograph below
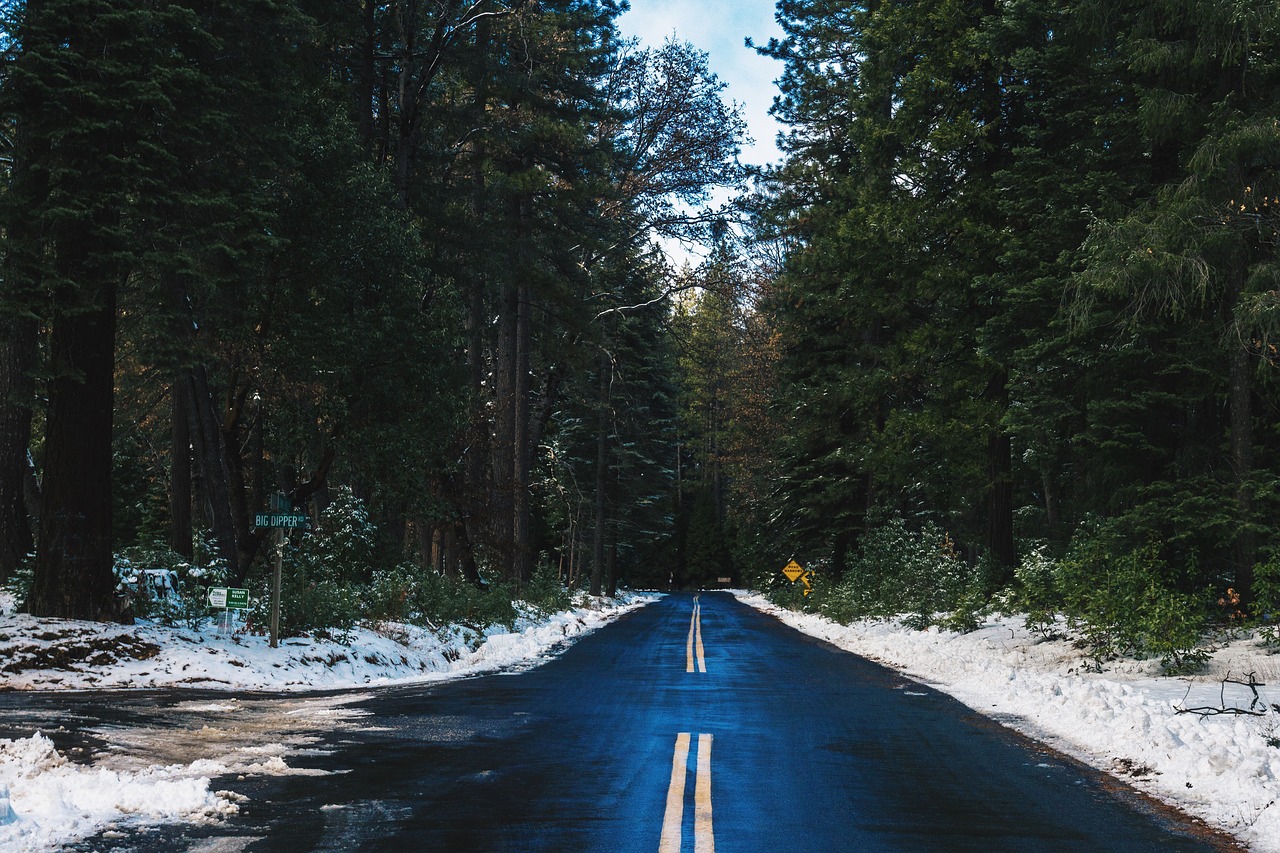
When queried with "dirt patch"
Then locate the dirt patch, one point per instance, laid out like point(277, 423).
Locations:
point(73, 655)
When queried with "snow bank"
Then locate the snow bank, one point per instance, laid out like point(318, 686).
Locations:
point(1224, 768)
point(44, 654)
point(46, 801)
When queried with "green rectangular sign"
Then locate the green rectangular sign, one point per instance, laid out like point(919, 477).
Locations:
point(282, 519)
point(229, 598)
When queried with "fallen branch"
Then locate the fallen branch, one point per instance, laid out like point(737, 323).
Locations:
point(1257, 707)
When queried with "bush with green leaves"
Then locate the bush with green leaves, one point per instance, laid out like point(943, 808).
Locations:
point(324, 575)
point(544, 594)
point(330, 582)
point(182, 596)
point(1035, 590)
point(899, 571)
point(1128, 602)
point(1265, 607)
point(19, 583)
point(440, 601)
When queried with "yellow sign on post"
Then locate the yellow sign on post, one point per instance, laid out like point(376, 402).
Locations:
point(795, 572)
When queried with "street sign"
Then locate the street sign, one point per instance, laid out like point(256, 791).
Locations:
point(793, 571)
point(282, 519)
point(229, 598)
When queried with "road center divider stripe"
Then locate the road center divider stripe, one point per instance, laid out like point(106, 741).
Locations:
point(704, 840)
point(673, 820)
point(674, 815)
point(693, 651)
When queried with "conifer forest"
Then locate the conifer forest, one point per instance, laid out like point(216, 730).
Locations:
point(482, 287)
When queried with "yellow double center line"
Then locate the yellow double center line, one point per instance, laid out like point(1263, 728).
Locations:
point(673, 820)
point(693, 647)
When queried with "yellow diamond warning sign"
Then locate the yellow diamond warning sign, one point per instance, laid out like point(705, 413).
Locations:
point(792, 570)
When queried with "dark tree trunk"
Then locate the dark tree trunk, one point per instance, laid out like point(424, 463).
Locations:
point(504, 429)
point(602, 477)
point(19, 337)
point(1241, 413)
point(180, 528)
point(999, 539)
point(366, 74)
point(73, 572)
point(17, 395)
point(522, 452)
point(999, 542)
point(210, 454)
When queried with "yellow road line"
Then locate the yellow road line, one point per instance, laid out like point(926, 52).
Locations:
point(688, 646)
point(693, 651)
point(702, 658)
point(704, 840)
point(674, 815)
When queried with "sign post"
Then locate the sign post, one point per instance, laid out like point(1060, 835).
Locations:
point(275, 588)
point(281, 518)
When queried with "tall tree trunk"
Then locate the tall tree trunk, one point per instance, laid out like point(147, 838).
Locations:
point(366, 74)
point(19, 338)
point(17, 395)
point(999, 543)
point(73, 572)
point(210, 453)
point(504, 429)
point(1240, 392)
point(522, 452)
point(999, 505)
point(180, 528)
point(602, 476)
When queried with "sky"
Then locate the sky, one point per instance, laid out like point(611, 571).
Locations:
point(719, 28)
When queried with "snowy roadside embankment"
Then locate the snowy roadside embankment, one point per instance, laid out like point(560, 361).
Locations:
point(47, 801)
point(61, 654)
point(1223, 768)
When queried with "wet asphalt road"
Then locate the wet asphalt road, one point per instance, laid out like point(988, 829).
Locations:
point(624, 744)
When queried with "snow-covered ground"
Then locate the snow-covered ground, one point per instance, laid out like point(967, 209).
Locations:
point(1224, 768)
point(47, 800)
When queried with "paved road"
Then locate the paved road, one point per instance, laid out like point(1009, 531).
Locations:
point(693, 724)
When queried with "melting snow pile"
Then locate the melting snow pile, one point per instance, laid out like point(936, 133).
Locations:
point(1224, 767)
point(46, 800)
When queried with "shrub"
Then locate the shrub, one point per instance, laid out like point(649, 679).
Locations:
point(324, 575)
point(544, 594)
point(1266, 600)
point(899, 571)
point(162, 585)
point(1129, 604)
point(1036, 591)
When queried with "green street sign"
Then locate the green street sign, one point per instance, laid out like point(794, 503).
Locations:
point(282, 520)
point(229, 598)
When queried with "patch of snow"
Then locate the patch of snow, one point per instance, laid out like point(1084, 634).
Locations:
point(46, 801)
point(1224, 769)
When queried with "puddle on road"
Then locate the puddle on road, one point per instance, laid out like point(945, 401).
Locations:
point(210, 735)
point(256, 736)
